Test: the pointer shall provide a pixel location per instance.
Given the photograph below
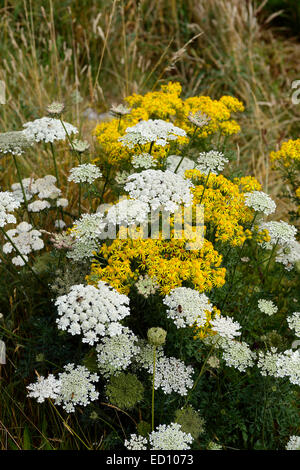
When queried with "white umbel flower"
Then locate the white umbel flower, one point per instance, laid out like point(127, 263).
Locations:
point(89, 227)
point(211, 162)
point(158, 131)
point(136, 442)
point(146, 286)
point(82, 249)
point(293, 443)
point(238, 355)
point(38, 206)
point(76, 387)
point(26, 241)
point(170, 437)
point(14, 142)
point(116, 353)
point(187, 307)
point(267, 307)
point(289, 255)
point(128, 211)
point(172, 375)
point(226, 327)
point(48, 129)
point(8, 204)
point(267, 362)
point(159, 189)
point(288, 365)
point(44, 388)
point(92, 312)
point(85, 173)
point(260, 202)
point(143, 160)
point(281, 233)
point(294, 323)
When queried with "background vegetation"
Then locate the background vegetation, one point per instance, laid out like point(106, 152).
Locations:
point(92, 53)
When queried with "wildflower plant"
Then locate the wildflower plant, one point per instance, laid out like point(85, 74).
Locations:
point(134, 335)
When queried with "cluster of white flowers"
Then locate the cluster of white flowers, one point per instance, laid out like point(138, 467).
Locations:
point(82, 249)
point(172, 375)
point(293, 443)
point(44, 188)
point(294, 323)
point(173, 161)
point(85, 173)
point(226, 327)
point(89, 227)
point(289, 255)
point(281, 233)
point(143, 160)
point(146, 286)
point(8, 204)
point(238, 355)
point(92, 312)
point(144, 357)
point(48, 130)
point(38, 206)
point(121, 177)
point(62, 202)
point(116, 353)
point(25, 239)
point(286, 364)
point(267, 362)
point(170, 437)
point(14, 142)
point(136, 442)
point(159, 189)
point(128, 211)
point(164, 437)
point(158, 131)
point(44, 388)
point(211, 162)
point(267, 307)
point(260, 202)
point(187, 307)
point(74, 386)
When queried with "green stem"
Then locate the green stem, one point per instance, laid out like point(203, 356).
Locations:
point(199, 376)
point(54, 163)
point(72, 432)
point(205, 184)
point(153, 390)
point(22, 186)
point(187, 148)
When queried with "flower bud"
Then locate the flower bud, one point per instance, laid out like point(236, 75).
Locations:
point(156, 336)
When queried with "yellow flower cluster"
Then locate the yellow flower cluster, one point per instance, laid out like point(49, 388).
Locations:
point(224, 204)
point(166, 104)
point(167, 261)
point(288, 154)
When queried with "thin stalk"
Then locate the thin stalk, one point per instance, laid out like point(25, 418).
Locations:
point(199, 376)
point(205, 184)
point(69, 427)
point(56, 175)
point(22, 186)
point(153, 390)
point(186, 150)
